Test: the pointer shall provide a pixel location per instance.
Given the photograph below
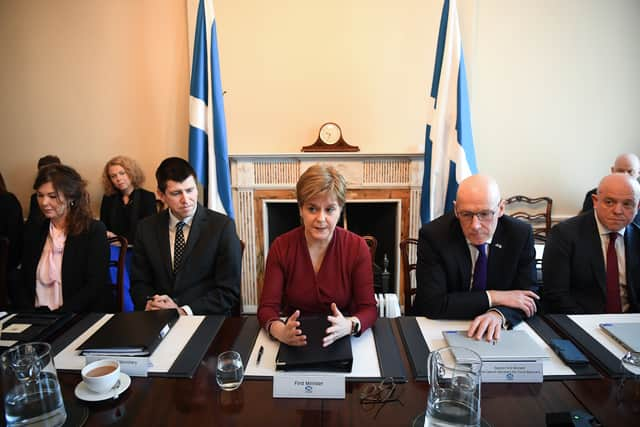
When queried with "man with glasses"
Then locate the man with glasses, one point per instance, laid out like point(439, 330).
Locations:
point(591, 261)
point(477, 263)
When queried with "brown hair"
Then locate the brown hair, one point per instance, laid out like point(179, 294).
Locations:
point(130, 166)
point(69, 183)
point(321, 179)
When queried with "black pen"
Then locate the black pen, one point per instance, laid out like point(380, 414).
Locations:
point(260, 355)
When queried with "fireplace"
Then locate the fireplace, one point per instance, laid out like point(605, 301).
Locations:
point(264, 197)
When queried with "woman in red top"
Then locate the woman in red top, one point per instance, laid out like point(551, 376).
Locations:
point(318, 268)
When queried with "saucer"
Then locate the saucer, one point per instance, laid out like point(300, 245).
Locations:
point(83, 392)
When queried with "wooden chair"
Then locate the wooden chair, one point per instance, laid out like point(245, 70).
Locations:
point(408, 248)
point(237, 309)
point(4, 264)
point(119, 264)
point(372, 242)
point(536, 211)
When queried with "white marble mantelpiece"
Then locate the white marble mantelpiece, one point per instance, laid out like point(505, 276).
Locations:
point(369, 173)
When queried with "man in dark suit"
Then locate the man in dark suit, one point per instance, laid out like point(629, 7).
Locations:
point(477, 263)
point(186, 257)
point(591, 262)
point(624, 163)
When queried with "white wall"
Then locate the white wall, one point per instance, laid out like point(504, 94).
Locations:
point(553, 84)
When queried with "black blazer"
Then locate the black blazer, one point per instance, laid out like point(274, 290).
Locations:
point(11, 226)
point(85, 279)
point(208, 279)
point(573, 267)
point(443, 269)
point(142, 204)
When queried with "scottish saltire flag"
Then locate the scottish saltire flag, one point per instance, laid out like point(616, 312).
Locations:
point(207, 127)
point(449, 156)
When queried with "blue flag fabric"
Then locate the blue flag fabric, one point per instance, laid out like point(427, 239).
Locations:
point(449, 156)
point(208, 153)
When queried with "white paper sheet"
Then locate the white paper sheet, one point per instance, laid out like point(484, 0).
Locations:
point(162, 358)
point(432, 333)
point(365, 357)
point(590, 323)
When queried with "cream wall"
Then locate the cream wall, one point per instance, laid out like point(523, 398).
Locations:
point(554, 85)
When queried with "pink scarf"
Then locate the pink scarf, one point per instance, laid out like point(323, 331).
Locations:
point(49, 272)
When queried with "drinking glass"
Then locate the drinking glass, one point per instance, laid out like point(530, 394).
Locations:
point(454, 392)
point(229, 371)
point(31, 389)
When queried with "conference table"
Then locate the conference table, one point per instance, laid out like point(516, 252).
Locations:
point(199, 401)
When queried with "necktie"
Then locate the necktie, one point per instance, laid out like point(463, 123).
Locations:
point(480, 269)
point(613, 284)
point(178, 246)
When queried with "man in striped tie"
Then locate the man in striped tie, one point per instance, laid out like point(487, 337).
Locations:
point(186, 257)
point(477, 263)
point(591, 262)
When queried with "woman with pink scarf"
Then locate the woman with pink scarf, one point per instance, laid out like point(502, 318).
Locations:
point(65, 259)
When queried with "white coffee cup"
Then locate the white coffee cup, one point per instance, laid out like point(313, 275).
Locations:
point(101, 375)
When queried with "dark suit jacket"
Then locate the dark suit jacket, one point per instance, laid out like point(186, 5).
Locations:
point(11, 226)
point(85, 279)
point(141, 205)
point(444, 271)
point(208, 279)
point(573, 267)
point(587, 205)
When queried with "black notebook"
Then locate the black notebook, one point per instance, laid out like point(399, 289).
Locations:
point(337, 357)
point(131, 334)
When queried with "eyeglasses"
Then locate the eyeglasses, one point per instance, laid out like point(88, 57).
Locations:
point(380, 393)
point(483, 216)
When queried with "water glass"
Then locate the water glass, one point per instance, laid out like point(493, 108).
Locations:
point(229, 371)
point(31, 390)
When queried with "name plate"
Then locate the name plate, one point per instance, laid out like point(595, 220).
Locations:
point(306, 386)
point(512, 372)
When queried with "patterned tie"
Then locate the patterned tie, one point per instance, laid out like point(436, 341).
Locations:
point(179, 246)
point(613, 284)
point(480, 270)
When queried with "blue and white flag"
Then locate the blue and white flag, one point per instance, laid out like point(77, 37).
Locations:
point(449, 156)
point(207, 127)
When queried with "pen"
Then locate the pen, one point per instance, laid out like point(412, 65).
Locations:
point(260, 355)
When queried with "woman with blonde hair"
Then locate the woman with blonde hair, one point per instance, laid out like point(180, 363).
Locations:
point(65, 258)
point(125, 202)
point(318, 268)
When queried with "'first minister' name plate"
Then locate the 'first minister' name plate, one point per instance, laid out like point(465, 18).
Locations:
point(308, 386)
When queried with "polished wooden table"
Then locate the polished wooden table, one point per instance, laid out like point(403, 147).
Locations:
point(199, 401)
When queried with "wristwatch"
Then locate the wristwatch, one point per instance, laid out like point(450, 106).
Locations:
point(355, 326)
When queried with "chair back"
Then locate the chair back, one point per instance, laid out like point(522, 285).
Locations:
point(238, 308)
point(4, 263)
point(408, 253)
point(119, 264)
point(372, 243)
point(534, 210)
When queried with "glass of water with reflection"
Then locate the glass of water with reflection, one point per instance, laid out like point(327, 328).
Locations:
point(229, 371)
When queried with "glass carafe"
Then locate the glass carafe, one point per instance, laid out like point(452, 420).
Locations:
point(30, 388)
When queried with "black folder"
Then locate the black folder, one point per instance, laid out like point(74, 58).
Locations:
point(337, 357)
point(131, 334)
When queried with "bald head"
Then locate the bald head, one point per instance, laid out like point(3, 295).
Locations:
point(627, 163)
point(478, 207)
point(616, 202)
point(479, 188)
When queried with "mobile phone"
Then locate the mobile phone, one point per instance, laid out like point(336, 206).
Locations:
point(568, 352)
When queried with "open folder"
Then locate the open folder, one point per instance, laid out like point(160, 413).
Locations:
point(337, 357)
point(131, 334)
